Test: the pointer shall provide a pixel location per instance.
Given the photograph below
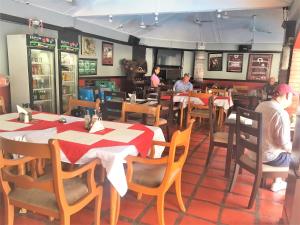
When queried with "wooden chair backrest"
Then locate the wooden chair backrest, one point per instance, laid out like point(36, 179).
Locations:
point(82, 103)
point(249, 136)
point(141, 109)
point(180, 139)
point(2, 105)
point(114, 99)
point(30, 152)
point(218, 92)
point(192, 105)
point(166, 102)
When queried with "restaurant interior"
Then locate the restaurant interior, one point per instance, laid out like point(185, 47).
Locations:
point(149, 112)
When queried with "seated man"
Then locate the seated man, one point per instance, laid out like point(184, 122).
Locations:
point(276, 139)
point(183, 85)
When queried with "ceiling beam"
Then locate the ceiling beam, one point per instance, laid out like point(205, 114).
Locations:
point(138, 7)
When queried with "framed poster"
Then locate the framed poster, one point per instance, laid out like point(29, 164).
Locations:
point(107, 53)
point(215, 61)
point(87, 67)
point(235, 63)
point(259, 66)
point(88, 46)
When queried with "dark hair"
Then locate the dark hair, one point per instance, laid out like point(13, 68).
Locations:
point(154, 68)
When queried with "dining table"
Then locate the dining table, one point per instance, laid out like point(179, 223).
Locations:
point(112, 144)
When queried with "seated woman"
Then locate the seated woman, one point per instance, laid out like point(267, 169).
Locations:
point(183, 85)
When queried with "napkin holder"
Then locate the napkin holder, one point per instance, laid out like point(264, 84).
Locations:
point(22, 117)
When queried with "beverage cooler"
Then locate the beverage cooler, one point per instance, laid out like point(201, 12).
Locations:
point(68, 72)
point(32, 71)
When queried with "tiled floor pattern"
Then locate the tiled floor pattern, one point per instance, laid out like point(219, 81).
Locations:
point(204, 193)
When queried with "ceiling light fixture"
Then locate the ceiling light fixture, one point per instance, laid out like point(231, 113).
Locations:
point(110, 18)
point(156, 18)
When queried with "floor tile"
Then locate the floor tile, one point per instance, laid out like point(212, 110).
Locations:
point(208, 194)
point(215, 183)
point(189, 220)
point(234, 217)
point(151, 216)
point(204, 210)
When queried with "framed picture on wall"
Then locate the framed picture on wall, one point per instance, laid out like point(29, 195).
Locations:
point(88, 46)
point(235, 63)
point(259, 66)
point(215, 61)
point(107, 53)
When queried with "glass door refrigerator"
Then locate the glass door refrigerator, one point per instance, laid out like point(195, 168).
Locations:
point(68, 72)
point(32, 71)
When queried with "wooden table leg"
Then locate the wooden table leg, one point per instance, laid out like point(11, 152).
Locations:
point(229, 150)
point(114, 205)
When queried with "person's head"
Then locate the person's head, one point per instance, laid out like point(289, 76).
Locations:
point(271, 81)
point(186, 78)
point(283, 94)
point(156, 70)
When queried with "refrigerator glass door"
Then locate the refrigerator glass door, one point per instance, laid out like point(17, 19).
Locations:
point(69, 79)
point(43, 84)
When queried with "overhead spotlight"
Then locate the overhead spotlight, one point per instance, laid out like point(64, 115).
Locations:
point(110, 18)
point(219, 10)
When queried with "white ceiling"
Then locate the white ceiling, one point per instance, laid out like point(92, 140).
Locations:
point(176, 18)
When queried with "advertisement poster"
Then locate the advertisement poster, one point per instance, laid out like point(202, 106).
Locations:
point(215, 61)
point(235, 63)
point(107, 53)
point(259, 67)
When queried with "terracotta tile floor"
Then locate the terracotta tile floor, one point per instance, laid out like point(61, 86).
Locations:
point(204, 193)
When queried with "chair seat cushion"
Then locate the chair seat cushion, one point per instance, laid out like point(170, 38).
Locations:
point(265, 168)
point(150, 121)
point(75, 189)
point(148, 175)
point(199, 113)
point(222, 137)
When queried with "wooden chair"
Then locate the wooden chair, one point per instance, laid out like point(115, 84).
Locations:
point(151, 114)
point(2, 105)
point(196, 110)
point(250, 138)
point(155, 176)
point(73, 103)
point(216, 138)
point(168, 108)
point(112, 106)
point(57, 195)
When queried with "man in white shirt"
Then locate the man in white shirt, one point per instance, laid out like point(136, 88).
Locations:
point(183, 85)
point(276, 139)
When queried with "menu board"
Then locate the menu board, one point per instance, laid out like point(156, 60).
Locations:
point(69, 46)
point(87, 67)
point(259, 66)
point(235, 63)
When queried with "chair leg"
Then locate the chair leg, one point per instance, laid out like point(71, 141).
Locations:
point(65, 219)
point(254, 191)
point(160, 208)
point(97, 211)
point(235, 174)
point(178, 192)
point(9, 213)
point(140, 195)
point(210, 151)
point(168, 132)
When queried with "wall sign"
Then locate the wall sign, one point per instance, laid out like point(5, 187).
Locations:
point(69, 46)
point(215, 61)
point(107, 53)
point(87, 67)
point(235, 63)
point(259, 66)
point(40, 41)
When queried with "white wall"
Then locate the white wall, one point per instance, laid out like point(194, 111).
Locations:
point(12, 28)
point(240, 76)
point(119, 52)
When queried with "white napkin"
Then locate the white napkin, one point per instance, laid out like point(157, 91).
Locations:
point(22, 110)
point(97, 126)
point(129, 95)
